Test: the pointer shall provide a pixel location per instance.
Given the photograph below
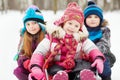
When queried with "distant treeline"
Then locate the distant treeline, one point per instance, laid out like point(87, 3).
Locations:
point(21, 5)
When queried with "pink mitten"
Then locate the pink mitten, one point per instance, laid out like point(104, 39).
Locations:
point(26, 63)
point(36, 73)
point(31, 75)
point(98, 63)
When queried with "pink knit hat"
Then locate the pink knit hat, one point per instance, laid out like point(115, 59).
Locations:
point(72, 12)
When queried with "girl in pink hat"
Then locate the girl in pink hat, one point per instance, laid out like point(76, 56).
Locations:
point(59, 51)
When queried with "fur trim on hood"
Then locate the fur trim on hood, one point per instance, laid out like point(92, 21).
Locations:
point(58, 32)
point(105, 23)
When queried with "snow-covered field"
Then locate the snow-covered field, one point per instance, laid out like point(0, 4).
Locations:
point(11, 23)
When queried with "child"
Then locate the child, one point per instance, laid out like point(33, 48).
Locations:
point(32, 33)
point(99, 34)
point(65, 45)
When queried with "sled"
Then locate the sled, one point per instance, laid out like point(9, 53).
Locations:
point(85, 74)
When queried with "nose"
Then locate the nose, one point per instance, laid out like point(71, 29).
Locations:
point(71, 27)
point(31, 26)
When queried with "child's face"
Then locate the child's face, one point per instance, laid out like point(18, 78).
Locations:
point(71, 26)
point(32, 27)
point(93, 21)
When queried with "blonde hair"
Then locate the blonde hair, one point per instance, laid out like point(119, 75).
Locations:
point(27, 42)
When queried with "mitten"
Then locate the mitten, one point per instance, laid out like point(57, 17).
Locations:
point(98, 63)
point(68, 63)
point(37, 73)
point(26, 64)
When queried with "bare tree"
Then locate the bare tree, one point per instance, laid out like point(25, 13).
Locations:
point(119, 4)
point(72, 1)
point(82, 3)
point(4, 6)
point(48, 4)
point(39, 3)
point(23, 5)
point(55, 6)
point(105, 7)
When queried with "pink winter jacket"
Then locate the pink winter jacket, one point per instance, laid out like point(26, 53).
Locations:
point(88, 47)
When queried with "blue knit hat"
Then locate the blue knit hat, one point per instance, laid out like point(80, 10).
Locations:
point(93, 9)
point(33, 14)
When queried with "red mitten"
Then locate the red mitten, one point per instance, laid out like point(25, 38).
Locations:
point(68, 63)
point(37, 73)
point(26, 64)
point(98, 63)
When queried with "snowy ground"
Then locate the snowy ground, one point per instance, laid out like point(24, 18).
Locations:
point(11, 23)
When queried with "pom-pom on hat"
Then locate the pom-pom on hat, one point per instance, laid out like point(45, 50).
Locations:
point(33, 13)
point(92, 8)
point(72, 12)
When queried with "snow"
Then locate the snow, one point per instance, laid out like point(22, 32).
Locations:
point(11, 23)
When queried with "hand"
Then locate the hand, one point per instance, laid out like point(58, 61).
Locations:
point(68, 63)
point(26, 64)
point(30, 77)
point(36, 73)
point(98, 63)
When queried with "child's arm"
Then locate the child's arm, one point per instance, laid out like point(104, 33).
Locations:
point(94, 54)
point(104, 43)
point(91, 50)
point(22, 59)
point(38, 58)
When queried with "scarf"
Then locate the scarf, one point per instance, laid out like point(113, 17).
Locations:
point(95, 33)
point(67, 46)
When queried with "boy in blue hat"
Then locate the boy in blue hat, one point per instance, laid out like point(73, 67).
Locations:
point(99, 34)
point(31, 34)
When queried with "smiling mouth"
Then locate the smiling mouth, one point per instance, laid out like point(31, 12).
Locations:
point(70, 31)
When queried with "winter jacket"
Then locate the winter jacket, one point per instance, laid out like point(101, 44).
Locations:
point(104, 43)
point(20, 72)
point(88, 47)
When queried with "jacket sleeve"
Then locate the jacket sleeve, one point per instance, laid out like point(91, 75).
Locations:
point(38, 57)
point(43, 47)
point(91, 50)
point(104, 43)
point(21, 59)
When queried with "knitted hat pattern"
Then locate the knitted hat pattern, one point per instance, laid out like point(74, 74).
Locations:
point(72, 12)
point(33, 13)
point(92, 8)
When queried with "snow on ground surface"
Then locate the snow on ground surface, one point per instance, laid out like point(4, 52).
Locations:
point(11, 23)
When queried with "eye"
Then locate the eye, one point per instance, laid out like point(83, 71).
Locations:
point(34, 22)
point(27, 24)
point(90, 16)
point(69, 23)
point(96, 16)
point(76, 26)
